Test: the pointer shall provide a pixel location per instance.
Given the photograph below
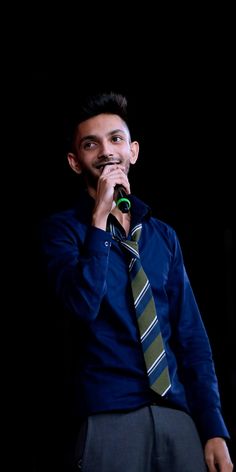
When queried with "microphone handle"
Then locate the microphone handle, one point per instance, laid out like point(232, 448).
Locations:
point(122, 202)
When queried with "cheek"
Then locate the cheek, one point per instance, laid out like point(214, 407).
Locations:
point(85, 161)
point(127, 166)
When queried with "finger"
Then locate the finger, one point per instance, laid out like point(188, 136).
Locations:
point(211, 464)
point(115, 177)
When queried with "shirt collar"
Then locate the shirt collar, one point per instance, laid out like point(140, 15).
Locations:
point(84, 207)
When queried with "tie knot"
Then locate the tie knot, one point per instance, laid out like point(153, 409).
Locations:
point(132, 244)
point(136, 233)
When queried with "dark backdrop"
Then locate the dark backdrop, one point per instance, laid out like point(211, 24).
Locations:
point(182, 116)
point(185, 173)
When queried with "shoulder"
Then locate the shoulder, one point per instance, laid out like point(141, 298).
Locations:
point(77, 215)
point(163, 236)
point(161, 228)
point(152, 225)
point(61, 224)
point(65, 215)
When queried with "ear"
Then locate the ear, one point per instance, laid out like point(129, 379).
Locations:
point(134, 147)
point(74, 163)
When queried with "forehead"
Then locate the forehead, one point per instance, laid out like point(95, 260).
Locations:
point(101, 125)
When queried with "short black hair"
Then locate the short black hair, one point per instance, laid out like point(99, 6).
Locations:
point(113, 103)
point(93, 105)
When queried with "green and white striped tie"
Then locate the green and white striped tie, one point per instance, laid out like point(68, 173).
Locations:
point(149, 328)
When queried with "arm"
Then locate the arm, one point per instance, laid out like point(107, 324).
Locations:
point(76, 259)
point(195, 361)
point(77, 255)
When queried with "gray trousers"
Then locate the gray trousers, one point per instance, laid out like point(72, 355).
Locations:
point(151, 439)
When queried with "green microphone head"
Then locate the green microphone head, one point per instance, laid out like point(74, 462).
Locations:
point(123, 204)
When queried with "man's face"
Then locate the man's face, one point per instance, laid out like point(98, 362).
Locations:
point(103, 140)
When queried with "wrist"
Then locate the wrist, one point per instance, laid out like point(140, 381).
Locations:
point(99, 220)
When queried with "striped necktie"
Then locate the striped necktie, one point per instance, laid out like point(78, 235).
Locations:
point(149, 327)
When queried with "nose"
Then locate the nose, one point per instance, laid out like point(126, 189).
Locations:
point(105, 150)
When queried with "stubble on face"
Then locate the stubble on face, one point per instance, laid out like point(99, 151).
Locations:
point(99, 128)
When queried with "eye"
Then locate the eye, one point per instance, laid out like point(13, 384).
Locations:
point(89, 145)
point(117, 139)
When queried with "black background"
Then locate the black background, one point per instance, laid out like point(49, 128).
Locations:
point(180, 85)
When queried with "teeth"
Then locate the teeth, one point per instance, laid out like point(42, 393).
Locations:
point(107, 164)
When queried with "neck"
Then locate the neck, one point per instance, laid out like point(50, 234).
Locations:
point(123, 218)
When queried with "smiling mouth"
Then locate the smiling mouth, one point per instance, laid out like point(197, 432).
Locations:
point(101, 165)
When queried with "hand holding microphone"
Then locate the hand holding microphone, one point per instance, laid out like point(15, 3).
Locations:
point(120, 193)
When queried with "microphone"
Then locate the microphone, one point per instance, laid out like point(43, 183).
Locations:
point(122, 202)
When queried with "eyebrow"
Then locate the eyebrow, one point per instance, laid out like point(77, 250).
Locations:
point(94, 137)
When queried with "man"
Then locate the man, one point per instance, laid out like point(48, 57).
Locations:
point(132, 416)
